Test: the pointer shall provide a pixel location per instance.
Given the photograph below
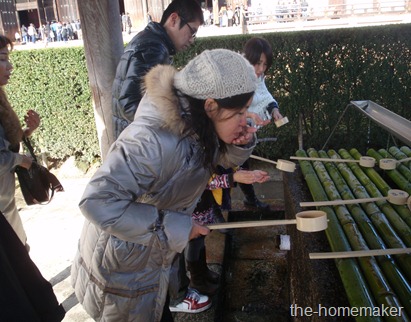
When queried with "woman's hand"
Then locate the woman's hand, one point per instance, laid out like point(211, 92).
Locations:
point(246, 136)
point(277, 115)
point(26, 163)
point(257, 120)
point(32, 120)
point(249, 177)
point(197, 230)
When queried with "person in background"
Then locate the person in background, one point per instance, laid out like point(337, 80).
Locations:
point(156, 44)
point(24, 34)
point(74, 29)
point(259, 53)
point(47, 33)
point(32, 33)
point(17, 37)
point(64, 33)
point(70, 30)
point(124, 22)
point(230, 16)
point(206, 15)
point(53, 32)
point(11, 134)
point(138, 205)
point(40, 32)
point(129, 24)
point(59, 28)
point(52, 35)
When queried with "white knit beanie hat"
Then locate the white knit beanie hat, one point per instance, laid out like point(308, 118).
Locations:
point(217, 74)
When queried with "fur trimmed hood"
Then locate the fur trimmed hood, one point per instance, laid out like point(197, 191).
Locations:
point(164, 99)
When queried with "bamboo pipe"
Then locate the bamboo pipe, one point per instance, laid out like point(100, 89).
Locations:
point(360, 253)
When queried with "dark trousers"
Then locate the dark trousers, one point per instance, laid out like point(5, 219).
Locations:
point(167, 317)
point(24, 293)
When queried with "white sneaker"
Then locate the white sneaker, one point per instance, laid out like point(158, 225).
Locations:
point(194, 302)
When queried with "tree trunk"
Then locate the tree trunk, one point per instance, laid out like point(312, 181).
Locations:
point(103, 45)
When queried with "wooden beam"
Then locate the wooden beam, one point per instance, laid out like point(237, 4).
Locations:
point(103, 45)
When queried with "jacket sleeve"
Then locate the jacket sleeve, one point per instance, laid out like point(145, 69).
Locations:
point(131, 169)
point(8, 159)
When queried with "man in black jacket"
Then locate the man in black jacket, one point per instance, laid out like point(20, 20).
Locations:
point(156, 44)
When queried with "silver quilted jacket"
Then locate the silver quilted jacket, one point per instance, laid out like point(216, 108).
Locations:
point(138, 209)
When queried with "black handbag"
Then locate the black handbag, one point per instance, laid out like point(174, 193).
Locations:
point(37, 184)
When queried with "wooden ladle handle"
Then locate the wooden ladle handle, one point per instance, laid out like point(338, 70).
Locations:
point(307, 221)
point(321, 159)
point(262, 159)
point(360, 253)
point(395, 196)
point(283, 165)
point(339, 202)
point(404, 160)
point(248, 224)
point(367, 162)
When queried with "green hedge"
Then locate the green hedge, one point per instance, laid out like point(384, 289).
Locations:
point(315, 75)
point(54, 82)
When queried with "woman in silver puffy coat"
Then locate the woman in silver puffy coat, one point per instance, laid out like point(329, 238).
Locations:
point(138, 205)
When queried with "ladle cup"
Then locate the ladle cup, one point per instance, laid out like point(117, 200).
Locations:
point(283, 165)
point(395, 196)
point(391, 164)
point(281, 122)
point(367, 162)
point(307, 221)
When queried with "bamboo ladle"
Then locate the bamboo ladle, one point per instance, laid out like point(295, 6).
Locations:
point(307, 221)
point(395, 196)
point(360, 253)
point(367, 162)
point(391, 164)
point(283, 165)
point(281, 122)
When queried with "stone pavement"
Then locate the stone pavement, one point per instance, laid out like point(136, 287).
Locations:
point(53, 231)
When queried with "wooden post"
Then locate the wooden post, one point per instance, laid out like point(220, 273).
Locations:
point(103, 45)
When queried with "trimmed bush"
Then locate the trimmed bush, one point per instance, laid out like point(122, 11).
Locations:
point(54, 82)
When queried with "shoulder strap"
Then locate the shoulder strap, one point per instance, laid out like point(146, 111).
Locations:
point(29, 147)
point(55, 184)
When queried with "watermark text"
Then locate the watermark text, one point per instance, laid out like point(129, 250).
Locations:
point(346, 311)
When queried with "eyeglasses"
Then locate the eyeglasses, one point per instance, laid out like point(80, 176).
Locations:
point(192, 30)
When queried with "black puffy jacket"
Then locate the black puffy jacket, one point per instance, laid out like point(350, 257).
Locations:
point(150, 47)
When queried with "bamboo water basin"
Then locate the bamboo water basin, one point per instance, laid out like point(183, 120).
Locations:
point(371, 226)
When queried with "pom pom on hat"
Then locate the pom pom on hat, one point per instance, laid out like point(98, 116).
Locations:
point(217, 73)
